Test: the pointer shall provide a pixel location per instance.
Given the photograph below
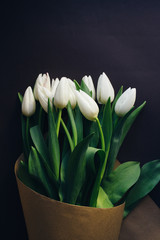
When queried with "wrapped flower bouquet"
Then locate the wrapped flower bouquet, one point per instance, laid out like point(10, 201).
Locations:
point(71, 136)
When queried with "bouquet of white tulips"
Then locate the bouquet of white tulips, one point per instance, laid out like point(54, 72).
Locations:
point(71, 143)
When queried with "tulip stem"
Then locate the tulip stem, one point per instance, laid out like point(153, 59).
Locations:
point(73, 124)
point(101, 134)
point(27, 134)
point(59, 121)
point(68, 135)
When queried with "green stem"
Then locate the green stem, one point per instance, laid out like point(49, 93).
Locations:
point(27, 134)
point(59, 121)
point(105, 163)
point(101, 134)
point(68, 135)
point(73, 124)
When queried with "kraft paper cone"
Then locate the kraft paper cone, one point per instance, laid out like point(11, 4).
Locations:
point(142, 223)
point(47, 219)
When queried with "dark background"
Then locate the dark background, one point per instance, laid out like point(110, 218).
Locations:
point(75, 38)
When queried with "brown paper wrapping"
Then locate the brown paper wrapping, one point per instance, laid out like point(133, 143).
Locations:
point(47, 219)
point(143, 223)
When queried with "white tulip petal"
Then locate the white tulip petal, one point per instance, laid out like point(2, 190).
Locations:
point(87, 105)
point(72, 98)
point(38, 80)
point(104, 89)
point(43, 101)
point(71, 84)
point(46, 81)
point(54, 86)
point(125, 102)
point(42, 80)
point(89, 82)
point(43, 95)
point(28, 103)
point(61, 96)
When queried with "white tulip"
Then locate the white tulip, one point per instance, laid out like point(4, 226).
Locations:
point(28, 103)
point(104, 89)
point(71, 89)
point(125, 102)
point(71, 84)
point(54, 86)
point(72, 98)
point(44, 91)
point(89, 82)
point(42, 80)
point(87, 105)
point(43, 95)
point(61, 97)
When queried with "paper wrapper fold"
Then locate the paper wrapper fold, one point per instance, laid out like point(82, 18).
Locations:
point(47, 219)
point(142, 223)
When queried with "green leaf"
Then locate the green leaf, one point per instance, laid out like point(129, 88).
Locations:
point(121, 180)
point(149, 178)
point(90, 175)
point(103, 200)
point(85, 88)
point(119, 135)
point(53, 144)
point(129, 121)
point(107, 124)
point(39, 142)
point(25, 132)
point(114, 115)
point(29, 180)
point(63, 169)
point(101, 110)
point(26, 148)
point(63, 173)
point(55, 112)
point(116, 98)
point(90, 159)
point(39, 117)
point(75, 172)
point(36, 169)
point(93, 128)
point(79, 124)
point(41, 147)
point(72, 121)
point(78, 87)
point(20, 97)
point(70, 141)
point(25, 123)
point(67, 148)
point(99, 162)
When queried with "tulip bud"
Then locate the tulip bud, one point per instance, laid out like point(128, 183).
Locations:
point(62, 94)
point(28, 103)
point(104, 89)
point(72, 98)
point(125, 102)
point(42, 80)
point(89, 83)
point(43, 95)
point(71, 84)
point(54, 86)
point(87, 105)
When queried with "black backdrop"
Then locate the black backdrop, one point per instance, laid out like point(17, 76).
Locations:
point(75, 38)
